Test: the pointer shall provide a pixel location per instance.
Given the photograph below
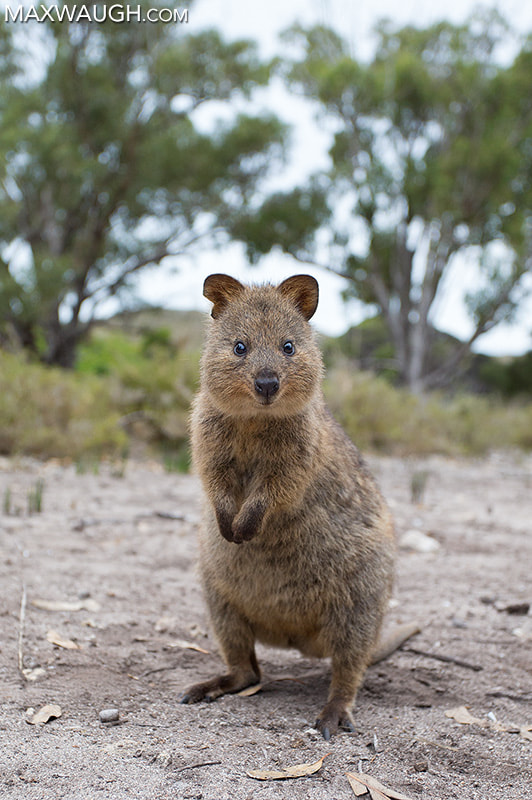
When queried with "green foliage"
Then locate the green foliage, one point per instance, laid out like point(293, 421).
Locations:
point(285, 220)
point(104, 355)
point(103, 170)
point(152, 382)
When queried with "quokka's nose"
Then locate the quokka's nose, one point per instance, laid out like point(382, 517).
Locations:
point(266, 384)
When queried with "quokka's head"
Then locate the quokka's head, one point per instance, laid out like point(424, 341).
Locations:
point(260, 356)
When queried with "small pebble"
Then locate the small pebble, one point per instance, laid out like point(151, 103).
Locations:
point(457, 622)
point(421, 766)
point(109, 715)
point(488, 599)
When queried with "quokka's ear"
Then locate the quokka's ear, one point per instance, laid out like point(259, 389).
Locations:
point(303, 291)
point(220, 290)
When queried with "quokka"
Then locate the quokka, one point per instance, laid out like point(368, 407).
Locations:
point(297, 546)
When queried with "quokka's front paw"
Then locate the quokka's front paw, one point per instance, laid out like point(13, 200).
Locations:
point(225, 520)
point(247, 524)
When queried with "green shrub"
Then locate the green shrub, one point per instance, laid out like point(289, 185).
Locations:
point(49, 412)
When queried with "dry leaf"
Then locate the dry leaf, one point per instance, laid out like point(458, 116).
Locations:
point(501, 728)
point(375, 787)
point(461, 714)
point(526, 732)
point(45, 714)
point(188, 646)
point(33, 674)
point(376, 795)
point(297, 771)
point(55, 638)
point(63, 605)
point(358, 788)
point(251, 690)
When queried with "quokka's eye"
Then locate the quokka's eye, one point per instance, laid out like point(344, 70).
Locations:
point(288, 348)
point(240, 349)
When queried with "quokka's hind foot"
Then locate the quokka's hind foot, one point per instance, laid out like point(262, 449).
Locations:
point(334, 717)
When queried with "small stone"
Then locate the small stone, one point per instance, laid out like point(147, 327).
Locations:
point(164, 759)
point(421, 766)
point(418, 541)
point(488, 599)
point(108, 715)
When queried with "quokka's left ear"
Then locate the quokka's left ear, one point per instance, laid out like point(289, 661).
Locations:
point(303, 291)
point(220, 290)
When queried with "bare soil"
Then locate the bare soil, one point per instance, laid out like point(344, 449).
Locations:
point(105, 537)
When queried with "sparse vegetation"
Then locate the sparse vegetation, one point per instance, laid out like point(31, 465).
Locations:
point(383, 418)
point(418, 484)
point(47, 412)
point(35, 497)
point(131, 392)
point(6, 502)
point(134, 387)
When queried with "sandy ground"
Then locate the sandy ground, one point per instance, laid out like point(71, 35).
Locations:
point(104, 538)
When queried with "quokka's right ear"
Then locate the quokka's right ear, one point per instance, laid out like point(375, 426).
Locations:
point(220, 290)
point(303, 291)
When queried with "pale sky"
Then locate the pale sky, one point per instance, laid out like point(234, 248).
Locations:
point(263, 21)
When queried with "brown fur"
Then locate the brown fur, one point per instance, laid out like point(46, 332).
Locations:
point(297, 548)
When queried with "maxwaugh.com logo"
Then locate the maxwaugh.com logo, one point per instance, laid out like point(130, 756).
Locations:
point(116, 12)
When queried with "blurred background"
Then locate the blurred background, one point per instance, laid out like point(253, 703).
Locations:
point(385, 150)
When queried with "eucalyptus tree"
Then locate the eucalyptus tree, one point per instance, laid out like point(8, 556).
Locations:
point(104, 169)
point(431, 166)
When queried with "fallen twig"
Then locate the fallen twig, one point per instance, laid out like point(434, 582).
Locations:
point(437, 744)
point(196, 766)
point(445, 659)
point(172, 515)
point(156, 669)
point(521, 698)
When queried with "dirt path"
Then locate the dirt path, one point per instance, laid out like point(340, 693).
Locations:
point(101, 538)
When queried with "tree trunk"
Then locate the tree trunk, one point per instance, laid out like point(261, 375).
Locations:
point(62, 343)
